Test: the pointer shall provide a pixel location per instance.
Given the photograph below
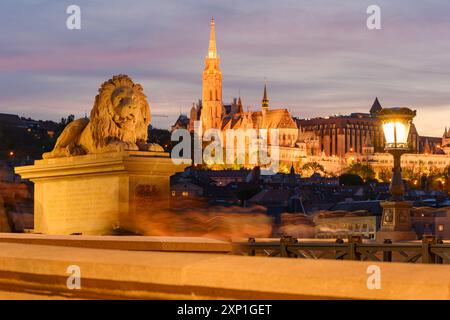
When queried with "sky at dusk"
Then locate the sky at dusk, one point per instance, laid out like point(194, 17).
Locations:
point(319, 57)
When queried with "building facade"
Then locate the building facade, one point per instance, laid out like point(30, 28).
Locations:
point(337, 135)
point(334, 142)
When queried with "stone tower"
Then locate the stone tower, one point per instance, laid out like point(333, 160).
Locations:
point(193, 116)
point(211, 115)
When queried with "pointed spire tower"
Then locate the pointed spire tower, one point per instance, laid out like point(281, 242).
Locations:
point(376, 106)
point(265, 100)
point(240, 107)
point(445, 144)
point(212, 50)
point(211, 116)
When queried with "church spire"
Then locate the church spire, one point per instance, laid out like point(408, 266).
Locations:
point(292, 171)
point(265, 100)
point(212, 108)
point(212, 50)
point(239, 103)
point(376, 106)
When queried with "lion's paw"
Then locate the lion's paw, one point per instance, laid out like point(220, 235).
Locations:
point(151, 147)
point(155, 147)
point(120, 146)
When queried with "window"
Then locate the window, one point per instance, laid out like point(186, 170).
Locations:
point(440, 227)
point(185, 193)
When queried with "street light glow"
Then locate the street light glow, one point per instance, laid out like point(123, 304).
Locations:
point(396, 124)
point(396, 134)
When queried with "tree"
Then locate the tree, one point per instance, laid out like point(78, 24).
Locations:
point(350, 179)
point(440, 179)
point(313, 167)
point(385, 175)
point(161, 137)
point(365, 171)
point(245, 193)
point(446, 174)
point(63, 124)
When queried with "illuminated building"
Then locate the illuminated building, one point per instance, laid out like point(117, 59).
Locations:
point(334, 142)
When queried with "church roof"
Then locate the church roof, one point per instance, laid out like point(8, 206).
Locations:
point(182, 122)
point(275, 118)
point(271, 196)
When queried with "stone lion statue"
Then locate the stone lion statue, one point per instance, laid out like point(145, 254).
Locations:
point(118, 122)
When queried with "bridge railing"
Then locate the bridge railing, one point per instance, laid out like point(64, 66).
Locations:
point(431, 250)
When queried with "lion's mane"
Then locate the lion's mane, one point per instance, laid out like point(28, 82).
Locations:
point(104, 129)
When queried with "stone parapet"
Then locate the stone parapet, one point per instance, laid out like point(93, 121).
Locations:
point(42, 270)
point(129, 243)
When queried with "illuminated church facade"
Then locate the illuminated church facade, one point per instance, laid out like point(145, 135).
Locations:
point(213, 114)
point(334, 142)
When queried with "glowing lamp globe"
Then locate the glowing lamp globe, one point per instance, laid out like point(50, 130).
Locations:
point(396, 123)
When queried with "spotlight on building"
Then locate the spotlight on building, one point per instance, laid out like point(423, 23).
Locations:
point(396, 219)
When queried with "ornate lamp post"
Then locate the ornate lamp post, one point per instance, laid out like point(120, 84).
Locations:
point(396, 219)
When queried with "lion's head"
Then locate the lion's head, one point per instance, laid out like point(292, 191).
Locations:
point(120, 111)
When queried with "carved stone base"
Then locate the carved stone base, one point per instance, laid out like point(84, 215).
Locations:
point(396, 222)
point(98, 193)
point(396, 216)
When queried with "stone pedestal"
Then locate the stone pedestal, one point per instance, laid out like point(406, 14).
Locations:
point(97, 193)
point(396, 222)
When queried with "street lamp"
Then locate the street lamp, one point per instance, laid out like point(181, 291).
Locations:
point(396, 219)
point(396, 123)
